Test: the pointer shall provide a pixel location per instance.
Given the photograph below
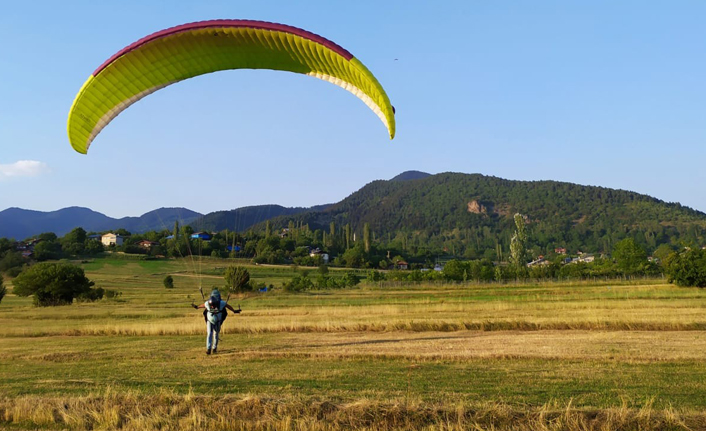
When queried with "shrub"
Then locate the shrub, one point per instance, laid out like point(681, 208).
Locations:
point(375, 276)
point(168, 282)
point(350, 280)
point(323, 281)
point(111, 294)
point(237, 279)
point(92, 295)
point(298, 284)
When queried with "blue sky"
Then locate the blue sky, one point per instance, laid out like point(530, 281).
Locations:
point(597, 93)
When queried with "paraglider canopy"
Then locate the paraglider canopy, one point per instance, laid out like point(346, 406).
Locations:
point(185, 51)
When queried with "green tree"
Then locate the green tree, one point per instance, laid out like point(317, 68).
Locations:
point(12, 259)
point(687, 269)
point(45, 250)
point(347, 230)
point(5, 246)
point(74, 242)
point(52, 283)
point(237, 279)
point(332, 234)
point(662, 252)
point(629, 255)
point(47, 236)
point(455, 269)
point(518, 247)
point(93, 246)
point(77, 235)
point(366, 237)
point(355, 257)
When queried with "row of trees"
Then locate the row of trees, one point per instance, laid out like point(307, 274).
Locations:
point(292, 247)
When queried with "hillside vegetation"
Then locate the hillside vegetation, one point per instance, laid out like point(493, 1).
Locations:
point(241, 219)
point(468, 214)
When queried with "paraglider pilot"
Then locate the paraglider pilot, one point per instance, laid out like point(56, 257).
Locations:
point(215, 313)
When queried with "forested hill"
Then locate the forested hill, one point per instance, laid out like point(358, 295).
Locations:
point(241, 219)
point(470, 213)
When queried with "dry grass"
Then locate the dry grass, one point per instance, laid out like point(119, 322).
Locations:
point(631, 346)
point(194, 326)
point(153, 311)
point(644, 346)
point(170, 411)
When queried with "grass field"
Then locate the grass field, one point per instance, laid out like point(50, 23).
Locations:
point(575, 356)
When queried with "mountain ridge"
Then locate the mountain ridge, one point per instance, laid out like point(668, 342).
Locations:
point(22, 223)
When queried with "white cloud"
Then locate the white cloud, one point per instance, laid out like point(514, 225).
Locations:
point(23, 168)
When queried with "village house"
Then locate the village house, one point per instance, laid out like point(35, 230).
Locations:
point(147, 244)
point(401, 264)
point(560, 250)
point(584, 258)
point(111, 238)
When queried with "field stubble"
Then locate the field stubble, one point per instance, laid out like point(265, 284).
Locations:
point(169, 411)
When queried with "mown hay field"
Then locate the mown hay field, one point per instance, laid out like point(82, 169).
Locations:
point(584, 355)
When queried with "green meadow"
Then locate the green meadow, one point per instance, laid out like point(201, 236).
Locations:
point(582, 355)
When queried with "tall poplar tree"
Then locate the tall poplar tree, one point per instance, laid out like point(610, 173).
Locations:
point(518, 247)
point(347, 230)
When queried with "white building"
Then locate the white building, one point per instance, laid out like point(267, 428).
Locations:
point(111, 238)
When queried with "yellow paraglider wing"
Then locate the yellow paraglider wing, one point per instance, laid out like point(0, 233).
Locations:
point(190, 50)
